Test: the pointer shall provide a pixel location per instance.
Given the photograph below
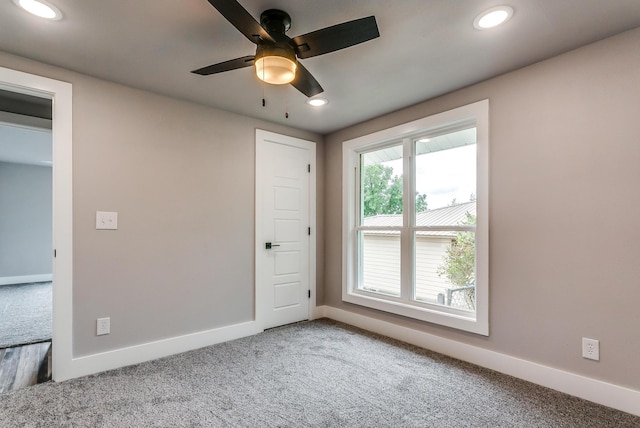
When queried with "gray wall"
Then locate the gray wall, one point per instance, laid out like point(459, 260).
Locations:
point(564, 176)
point(25, 220)
point(564, 158)
point(181, 177)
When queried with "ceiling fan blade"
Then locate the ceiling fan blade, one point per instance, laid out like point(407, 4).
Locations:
point(306, 83)
point(245, 61)
point(336, 37)
point(241, 19)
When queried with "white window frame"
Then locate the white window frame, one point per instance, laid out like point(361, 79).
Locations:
point(478, 322)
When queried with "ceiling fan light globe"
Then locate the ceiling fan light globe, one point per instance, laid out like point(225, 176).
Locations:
point(276, 70)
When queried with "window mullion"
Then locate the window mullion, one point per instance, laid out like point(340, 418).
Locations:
point(354, 221)
point(407, 243)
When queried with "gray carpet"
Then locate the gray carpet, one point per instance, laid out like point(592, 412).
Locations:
point(311, 374)
point(25, 313)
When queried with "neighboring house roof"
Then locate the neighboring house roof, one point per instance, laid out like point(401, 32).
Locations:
point(453, 215)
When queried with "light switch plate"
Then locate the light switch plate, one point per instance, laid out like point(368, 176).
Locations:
point(106, 220)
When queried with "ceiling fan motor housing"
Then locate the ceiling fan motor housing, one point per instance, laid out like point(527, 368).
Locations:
point(275, 21)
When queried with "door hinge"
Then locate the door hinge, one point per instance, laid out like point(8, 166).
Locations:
point(309, 293)
point(309, 231)
point(54, 252)
point(309, 167)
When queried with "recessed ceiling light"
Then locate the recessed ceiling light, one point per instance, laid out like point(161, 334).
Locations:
point(493, 17)
point(40, 8)
point(317, 102)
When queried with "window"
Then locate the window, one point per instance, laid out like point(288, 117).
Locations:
point(415, 222)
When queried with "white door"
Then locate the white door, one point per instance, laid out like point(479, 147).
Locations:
point(283, 229)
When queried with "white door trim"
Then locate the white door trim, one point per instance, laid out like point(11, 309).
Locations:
point(261, 136)
point(61, 95)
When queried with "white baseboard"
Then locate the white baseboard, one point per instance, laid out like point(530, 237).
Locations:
point(117, 358)
point(320, 312)
point(597, 391)
point(25, 279)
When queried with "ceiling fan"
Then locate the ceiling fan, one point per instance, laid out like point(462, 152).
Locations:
point(276, 58)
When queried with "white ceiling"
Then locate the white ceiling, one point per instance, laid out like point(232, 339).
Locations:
point(426, 48)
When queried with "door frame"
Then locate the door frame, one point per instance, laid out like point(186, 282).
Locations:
point(62, 207)
point(263, 137)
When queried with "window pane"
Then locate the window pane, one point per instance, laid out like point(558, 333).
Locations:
point(445, 170)
point(381, 187)
point(380, 252)
point(445, 268)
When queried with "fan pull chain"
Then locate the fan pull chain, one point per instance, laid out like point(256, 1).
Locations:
point(286, 107)
point(264, 102)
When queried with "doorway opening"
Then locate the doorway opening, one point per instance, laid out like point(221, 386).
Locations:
point(26, 246)
point(56, 97)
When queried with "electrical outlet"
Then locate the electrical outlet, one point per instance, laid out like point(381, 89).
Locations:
point(103, 326)
point(591, 349)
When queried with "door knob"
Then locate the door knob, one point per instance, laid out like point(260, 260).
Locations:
point(269, 245)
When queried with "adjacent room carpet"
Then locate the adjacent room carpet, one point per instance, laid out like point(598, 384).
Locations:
point(25, 313)
point(311, 374)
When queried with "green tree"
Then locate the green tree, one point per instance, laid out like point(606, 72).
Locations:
point(421, 202)
point(382, 192)
point(460, 260)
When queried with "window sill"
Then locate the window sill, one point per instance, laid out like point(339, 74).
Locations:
point(462, 320)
